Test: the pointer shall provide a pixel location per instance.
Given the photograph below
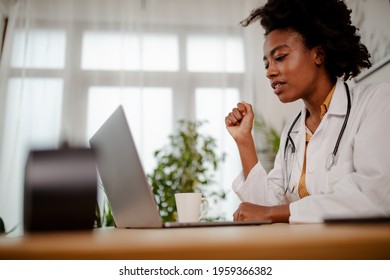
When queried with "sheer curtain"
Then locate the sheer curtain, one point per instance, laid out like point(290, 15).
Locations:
point(67, 64)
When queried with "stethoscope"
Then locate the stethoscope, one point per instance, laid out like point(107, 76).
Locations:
point(330, 161)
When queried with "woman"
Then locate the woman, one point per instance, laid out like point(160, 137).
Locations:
point(341, 164)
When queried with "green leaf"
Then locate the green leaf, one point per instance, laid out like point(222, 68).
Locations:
point(98, 218)
point(104, 217)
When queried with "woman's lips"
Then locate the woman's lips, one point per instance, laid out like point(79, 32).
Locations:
point(278, 87)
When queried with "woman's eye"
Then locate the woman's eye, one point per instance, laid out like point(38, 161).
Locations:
point(280, 57)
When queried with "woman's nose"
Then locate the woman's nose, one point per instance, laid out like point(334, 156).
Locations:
point(272, 71)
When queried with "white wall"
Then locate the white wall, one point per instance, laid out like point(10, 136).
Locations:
point(379, 75)
point(373, 20)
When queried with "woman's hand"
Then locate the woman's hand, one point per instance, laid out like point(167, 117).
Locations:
point(239, 121)
point(253, 212)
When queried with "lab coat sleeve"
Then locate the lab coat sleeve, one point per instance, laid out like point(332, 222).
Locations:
point(249, 189)
point(260, 187)
point(365, 191)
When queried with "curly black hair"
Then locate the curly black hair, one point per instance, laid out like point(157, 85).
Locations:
point(325, 23)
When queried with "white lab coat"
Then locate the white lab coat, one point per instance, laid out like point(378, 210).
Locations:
point(358, 184)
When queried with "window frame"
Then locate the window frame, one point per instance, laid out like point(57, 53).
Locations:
point(182, 82)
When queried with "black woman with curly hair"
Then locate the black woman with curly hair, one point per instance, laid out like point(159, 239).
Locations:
point(334, 156)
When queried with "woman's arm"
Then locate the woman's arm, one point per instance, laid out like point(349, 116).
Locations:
point(239, 123)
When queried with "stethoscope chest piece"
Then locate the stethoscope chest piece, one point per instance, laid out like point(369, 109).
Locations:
point(330, 161)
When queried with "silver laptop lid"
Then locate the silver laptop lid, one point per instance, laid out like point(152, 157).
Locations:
point(120, 169)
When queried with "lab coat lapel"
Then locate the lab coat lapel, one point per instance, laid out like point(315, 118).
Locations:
point(338, 105)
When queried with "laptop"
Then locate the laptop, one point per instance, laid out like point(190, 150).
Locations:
point(125, 182)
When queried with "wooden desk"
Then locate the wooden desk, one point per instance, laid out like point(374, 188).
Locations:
point(276, 241)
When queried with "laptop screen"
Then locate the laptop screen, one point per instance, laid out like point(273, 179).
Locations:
point(123, 177)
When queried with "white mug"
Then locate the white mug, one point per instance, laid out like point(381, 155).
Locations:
point(189, 207)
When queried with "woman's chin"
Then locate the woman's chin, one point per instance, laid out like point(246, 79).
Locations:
point(285, 99)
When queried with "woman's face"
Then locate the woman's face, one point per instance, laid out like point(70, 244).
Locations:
point(291, 68)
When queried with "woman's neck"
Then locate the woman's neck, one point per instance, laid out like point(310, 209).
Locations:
point(314, 102)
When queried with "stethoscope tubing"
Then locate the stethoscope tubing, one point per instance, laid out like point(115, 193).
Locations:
point(336, 147)
point(331, 158)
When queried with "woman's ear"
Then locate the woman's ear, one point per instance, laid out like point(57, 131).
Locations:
point(319, 55)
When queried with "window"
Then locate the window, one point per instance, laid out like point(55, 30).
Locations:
point(33, 121)
point(148, 110)
point(39, 49)
point(123, 51)
point(211, 104)
point(75, 80)
point(206, 53)
point(39, 108)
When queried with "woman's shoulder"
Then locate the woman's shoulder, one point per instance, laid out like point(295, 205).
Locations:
point(372, 88)
point(371, 91)
point(371, 97)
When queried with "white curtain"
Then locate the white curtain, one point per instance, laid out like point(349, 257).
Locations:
point(66, 65)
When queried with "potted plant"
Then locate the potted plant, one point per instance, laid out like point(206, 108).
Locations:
point(104, 217)
point(268, 139)
point(185, 164)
